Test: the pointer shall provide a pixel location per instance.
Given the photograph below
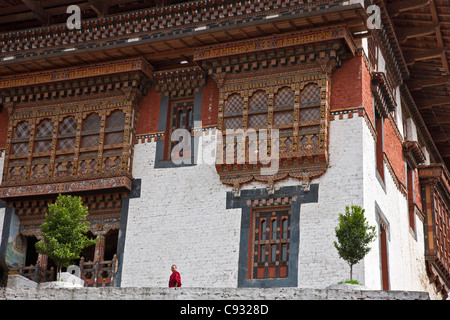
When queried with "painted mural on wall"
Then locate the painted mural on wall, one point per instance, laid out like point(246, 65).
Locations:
point(15, 251)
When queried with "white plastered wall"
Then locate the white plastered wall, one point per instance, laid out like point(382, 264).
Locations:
point(181, 218)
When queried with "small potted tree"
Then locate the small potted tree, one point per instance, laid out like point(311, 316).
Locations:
point(353, 235)
point(64, 231)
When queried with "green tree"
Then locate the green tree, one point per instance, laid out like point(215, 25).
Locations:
point(354, 236)
point(64, 231)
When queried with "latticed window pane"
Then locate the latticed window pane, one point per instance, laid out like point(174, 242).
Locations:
point(283, 118)
point(113, 138)
point(234, 104)
point(257, 120)
point(40, 171)
point(43, 146)
point(66, 144)
point(285, 141)
point(309, 114)
point(308, 142)
point(259, 101)
point(233, 123)
point(88, 166)
point(68, 125)
point(91, 123)
point(112, 163)
point(45, 128)
point(284, 98)
point(89, 141)
point(311, 93)
point(19, 148)
point(115, 120)
point(22, 130)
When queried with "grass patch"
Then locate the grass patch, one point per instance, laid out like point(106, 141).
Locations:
point(350, 281)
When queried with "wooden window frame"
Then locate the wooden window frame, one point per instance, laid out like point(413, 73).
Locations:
point(383, 242)
point(410, 187)
point(309, 130)
point(174, 122)
point(268, 264)
point(63, 165)
point(379, 145)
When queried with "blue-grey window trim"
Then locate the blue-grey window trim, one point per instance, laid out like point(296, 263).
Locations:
point(257, 194)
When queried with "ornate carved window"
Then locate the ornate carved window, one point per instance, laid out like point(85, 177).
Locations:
point(269, 248)
point(181, 117)
point(67, 134)
point(92, 141)
point(233, 112)
point(435, 184)
point(276, 82)
point(113, 142)
point(291, 104)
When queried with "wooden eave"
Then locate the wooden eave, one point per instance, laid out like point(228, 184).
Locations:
point(167, 51)
point(423, 27)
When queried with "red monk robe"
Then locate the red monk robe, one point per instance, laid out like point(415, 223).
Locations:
point(175, 279)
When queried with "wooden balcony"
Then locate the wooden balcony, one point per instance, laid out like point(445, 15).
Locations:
point(35, 273)
point(94, 273)
point(434, 180)
point(99, 273)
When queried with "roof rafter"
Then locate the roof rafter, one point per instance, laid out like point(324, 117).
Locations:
point(413, 57)
point(99, 6)
point(418, 84)
point(417, 32)
point(440, 40)
point(398, 7)
point(38, 11)
point(423, 104)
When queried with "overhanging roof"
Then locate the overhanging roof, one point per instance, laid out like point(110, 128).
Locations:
point(423, 31)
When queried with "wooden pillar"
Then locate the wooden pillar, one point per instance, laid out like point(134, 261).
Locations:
point(99, 248)
point(42, 261)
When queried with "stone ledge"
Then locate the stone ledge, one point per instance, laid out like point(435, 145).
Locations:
point(145, 293)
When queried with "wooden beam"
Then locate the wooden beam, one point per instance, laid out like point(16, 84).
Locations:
point(414, 85)
point(445, 152)
point(423, 104)
point(445, 63)
point(440, 40)
point(99, 6)
point(412, 57)
point(441, 137)
point(398, 7)
point(438, 119)
point(413, 32)
point(40, 13)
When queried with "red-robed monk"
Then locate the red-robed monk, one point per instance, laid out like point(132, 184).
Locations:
point(175, 278)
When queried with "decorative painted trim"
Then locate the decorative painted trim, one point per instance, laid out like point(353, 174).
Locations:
point(155, 24)
point(67, 187)
point(93, 70)
point(179, 82)
point(275, 42)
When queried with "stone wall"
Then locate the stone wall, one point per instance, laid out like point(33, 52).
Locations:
point(145, 293)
